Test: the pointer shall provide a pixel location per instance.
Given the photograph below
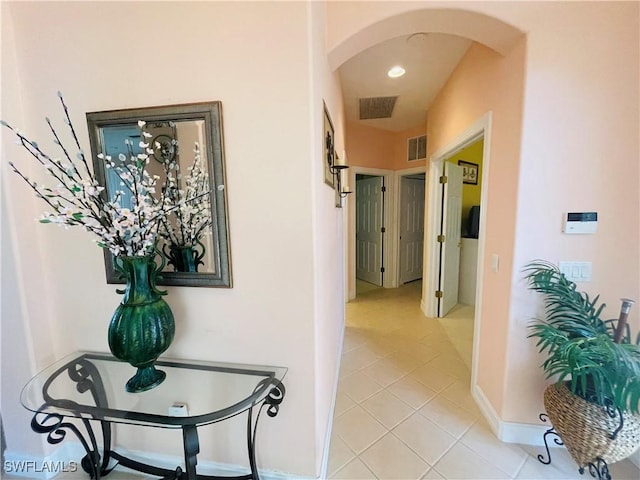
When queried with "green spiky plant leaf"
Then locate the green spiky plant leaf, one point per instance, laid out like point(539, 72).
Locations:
point(579, 345)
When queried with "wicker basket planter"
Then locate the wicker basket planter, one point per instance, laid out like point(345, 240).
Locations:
point(587, 429)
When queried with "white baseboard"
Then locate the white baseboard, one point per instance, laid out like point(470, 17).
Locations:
point(509, 432)
point(327, 441)
point(206, 467)
point(523, 433)
point(69, 454)
point(487, 410)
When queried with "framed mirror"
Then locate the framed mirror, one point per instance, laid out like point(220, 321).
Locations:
point(196, 251)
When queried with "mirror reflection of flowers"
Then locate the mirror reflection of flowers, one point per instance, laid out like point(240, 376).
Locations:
point(77, 199)
point(184, 228)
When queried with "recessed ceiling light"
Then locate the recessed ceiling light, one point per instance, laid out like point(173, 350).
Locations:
point(396, 71)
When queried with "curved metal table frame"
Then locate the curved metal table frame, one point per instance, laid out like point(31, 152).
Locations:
point(49, 418)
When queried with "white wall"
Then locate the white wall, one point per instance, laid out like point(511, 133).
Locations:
point(283, 309)
point(328, 232)
point(20, 257)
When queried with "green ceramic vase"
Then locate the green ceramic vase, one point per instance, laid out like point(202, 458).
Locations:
point(142, 326)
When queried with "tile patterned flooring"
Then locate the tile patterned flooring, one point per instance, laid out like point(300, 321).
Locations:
point(403, 408)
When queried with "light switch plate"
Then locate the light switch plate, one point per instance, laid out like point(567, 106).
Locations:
point(576, 271)
point(495, 263)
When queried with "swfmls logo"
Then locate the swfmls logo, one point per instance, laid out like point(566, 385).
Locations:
point(33, 466)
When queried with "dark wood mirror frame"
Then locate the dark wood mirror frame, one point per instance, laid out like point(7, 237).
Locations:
point(213, 148)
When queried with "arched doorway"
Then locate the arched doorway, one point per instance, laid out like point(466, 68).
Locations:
point(497, 45)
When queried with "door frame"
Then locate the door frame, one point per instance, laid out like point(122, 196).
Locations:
point(389, 207)
point(481, 128)
point(395, 226)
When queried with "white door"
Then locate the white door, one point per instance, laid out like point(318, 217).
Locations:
point(411, 227)
point(450, 247)
point(369, 229)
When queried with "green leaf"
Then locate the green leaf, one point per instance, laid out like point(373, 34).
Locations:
point(579, 344)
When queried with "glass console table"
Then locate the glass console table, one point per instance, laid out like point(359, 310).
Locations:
point(90, 386)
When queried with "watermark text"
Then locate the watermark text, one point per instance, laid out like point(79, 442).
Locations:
point(34, 466)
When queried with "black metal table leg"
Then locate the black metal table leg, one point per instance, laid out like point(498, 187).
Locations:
point(85, 372)
point(251, 439)
point(191, 450)
point(272, 402)
point(54, 426)
point(87, 379)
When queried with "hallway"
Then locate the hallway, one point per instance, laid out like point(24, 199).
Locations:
point(403, 409)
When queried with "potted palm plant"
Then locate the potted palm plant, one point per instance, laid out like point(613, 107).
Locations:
point(594, 404)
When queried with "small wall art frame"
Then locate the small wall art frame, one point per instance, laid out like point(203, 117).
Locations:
point(328, 146)
point(469, 172)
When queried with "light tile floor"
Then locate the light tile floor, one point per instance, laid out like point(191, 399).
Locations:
point(403, 408)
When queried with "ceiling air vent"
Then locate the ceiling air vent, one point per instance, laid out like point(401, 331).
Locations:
point(376, 107)
point(417, 148)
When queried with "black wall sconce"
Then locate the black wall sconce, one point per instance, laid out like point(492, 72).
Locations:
point(336, 166)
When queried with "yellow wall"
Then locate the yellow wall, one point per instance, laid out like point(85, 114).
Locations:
point(470, 193)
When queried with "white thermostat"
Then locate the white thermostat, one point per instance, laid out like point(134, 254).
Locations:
point(581, 222)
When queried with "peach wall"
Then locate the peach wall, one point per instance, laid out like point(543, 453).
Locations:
point(579, 108)
point(369, 147)
point(400, 161)
point(582, 106)
point(376, 148)
point(485, 81)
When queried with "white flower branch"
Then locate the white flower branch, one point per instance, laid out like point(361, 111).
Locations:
point(79, 200)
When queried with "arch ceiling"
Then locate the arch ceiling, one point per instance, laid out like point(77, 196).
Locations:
point(428, 43)
point(489, 31)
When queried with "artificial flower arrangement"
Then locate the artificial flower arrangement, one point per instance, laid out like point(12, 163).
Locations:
point(130, 232)
point(133, 230)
